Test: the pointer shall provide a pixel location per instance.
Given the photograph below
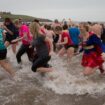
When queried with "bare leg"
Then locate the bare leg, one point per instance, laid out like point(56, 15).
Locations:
point(7, 67)
point(70, 53)
point(61, 52)
point(88, 71)
point(7, 43)
point(43, 69)
point(102, 71)
point(14, 48)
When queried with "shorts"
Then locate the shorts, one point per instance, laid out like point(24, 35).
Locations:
point(40, 62)
point(68, 46)
point(3, 54)
point(9, 37)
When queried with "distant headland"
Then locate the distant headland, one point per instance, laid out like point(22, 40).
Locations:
point(25, 18)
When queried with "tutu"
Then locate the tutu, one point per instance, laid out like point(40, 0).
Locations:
point(92, 60)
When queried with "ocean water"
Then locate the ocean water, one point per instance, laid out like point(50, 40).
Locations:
point(64, 86)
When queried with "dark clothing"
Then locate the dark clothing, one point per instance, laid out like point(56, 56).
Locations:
point(13, 29)
point(68, 46)
point(96, 42)
point(103, 36)
point(3, 54)
point(25, 49)
point(41, 46)
point(56, 38)
point(40, 62)
point(42, 53)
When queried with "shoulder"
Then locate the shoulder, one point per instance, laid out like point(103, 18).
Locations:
point(24, 27)
point(94, 36)
point(41, 37)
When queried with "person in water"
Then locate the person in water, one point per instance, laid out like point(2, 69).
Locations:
point(92, 56)
point(3, 52)
point(43, 55)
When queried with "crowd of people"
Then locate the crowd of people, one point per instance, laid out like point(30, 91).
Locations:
point(40, 41)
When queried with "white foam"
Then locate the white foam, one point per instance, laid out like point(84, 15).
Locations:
point(66, 78)
point(66, 83)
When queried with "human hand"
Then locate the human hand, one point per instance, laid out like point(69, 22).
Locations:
point(51, 53)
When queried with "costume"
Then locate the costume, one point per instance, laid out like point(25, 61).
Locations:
point(92, 52)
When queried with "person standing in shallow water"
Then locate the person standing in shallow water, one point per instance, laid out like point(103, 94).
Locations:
point(26, 38)
point(3, 52)
point(11, 34)
point(66, 42)
point(43, 55)
point(92, 56)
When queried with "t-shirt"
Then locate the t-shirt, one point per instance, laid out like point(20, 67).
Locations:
point(13, 29)
point(28, 38)
point(41, 46)
point(2, 46)
point(74, 34)
point(64, 35)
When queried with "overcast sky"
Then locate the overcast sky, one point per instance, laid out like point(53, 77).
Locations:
point(80, 10)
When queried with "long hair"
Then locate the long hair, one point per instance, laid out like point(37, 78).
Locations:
point(34, 29)
point(8, 20)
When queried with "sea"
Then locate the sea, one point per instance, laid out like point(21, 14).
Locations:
point(65, 85)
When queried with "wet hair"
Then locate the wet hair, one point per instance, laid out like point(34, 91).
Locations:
point(90, 23)
point(65, 27)
point(34, 29)
point(58, 28)
point(48, 27)
point(36, 20)
point(7, 20)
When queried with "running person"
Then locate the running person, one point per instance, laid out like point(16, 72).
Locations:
point(26, 38)
point(11, 33)
point(92, 47)
point(42, 57)
point(66, 42)
point(3, 53)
